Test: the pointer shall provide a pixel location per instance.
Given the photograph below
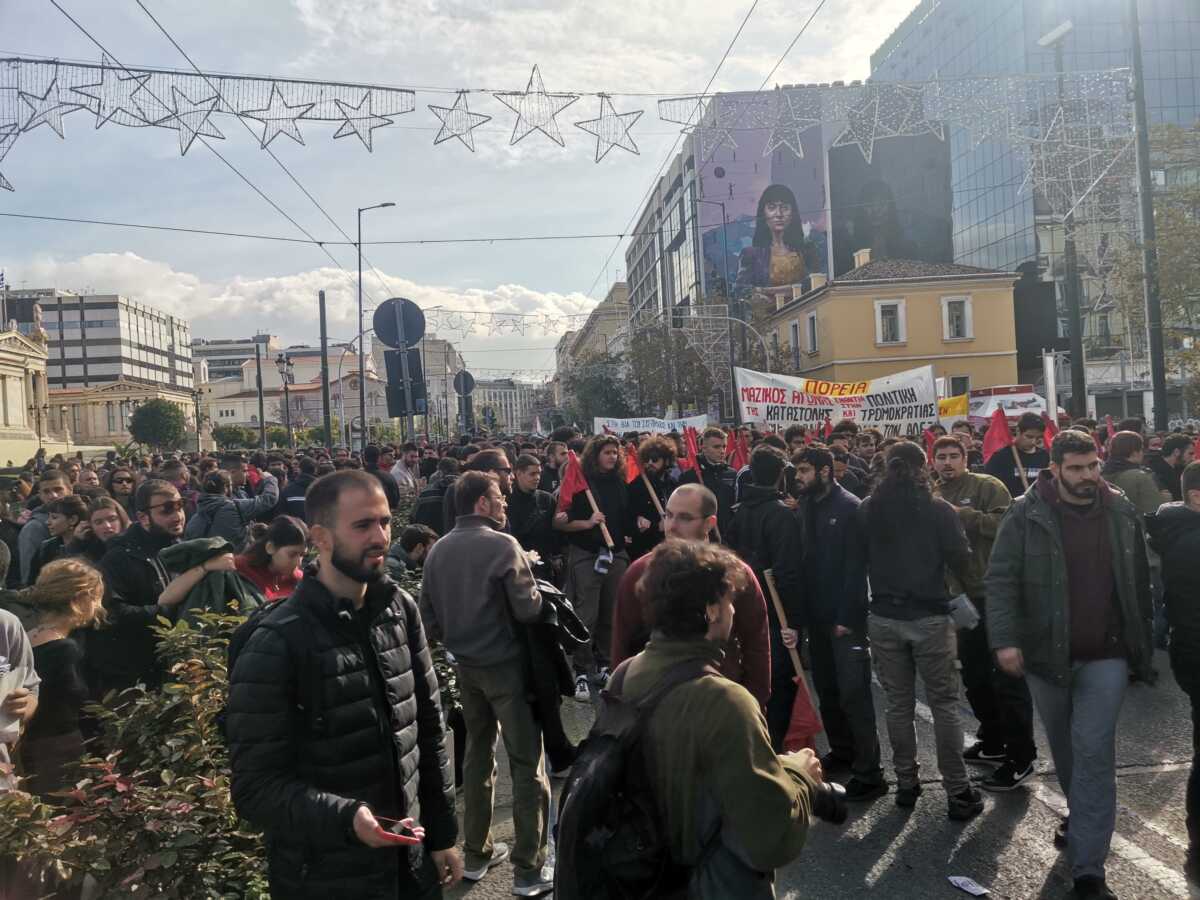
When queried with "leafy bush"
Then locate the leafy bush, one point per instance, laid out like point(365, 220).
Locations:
point(154, 816)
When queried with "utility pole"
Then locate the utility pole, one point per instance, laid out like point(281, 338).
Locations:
point(325, 404)
point(1154, 324)
point(262, 416)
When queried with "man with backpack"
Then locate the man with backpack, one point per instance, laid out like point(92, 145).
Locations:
point(219, 514)
point(334, 719)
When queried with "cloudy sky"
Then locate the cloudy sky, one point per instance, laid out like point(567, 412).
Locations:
point(229, 287)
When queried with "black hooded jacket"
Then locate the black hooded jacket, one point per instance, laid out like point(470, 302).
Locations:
point(768, 535)
point(1174, 533)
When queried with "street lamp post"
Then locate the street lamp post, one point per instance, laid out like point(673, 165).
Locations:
point(362, 363)
point(286, 367)
point(196, 395)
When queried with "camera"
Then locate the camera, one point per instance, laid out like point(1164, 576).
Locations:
point(829, 803)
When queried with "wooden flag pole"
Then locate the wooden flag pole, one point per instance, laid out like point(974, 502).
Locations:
point(1020, 467)
point(769, 576)
point(603, 528)
point(653, 496)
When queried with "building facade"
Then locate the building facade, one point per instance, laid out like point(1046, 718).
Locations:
point(225, 356)
point(600, 335)
point(504, 404)
point(888, 316)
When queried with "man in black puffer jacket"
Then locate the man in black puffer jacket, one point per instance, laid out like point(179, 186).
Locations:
point(1174, 533)
point(768, 535)
point(328, 731)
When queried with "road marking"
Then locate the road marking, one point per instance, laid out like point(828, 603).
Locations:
point(1126, 850)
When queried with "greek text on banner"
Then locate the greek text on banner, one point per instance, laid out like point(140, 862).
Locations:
point(600, 424)
point(904, 403)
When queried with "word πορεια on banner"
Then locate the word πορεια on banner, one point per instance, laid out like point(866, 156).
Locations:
point(899, 404)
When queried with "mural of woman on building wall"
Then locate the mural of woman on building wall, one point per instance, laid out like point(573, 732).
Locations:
point(777, 254)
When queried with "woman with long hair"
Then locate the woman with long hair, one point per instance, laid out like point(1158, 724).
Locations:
point(775, 256)
point(911, 538)
point(106, 518)
point(271, 561)
point(594, 567)
point(120, 484)
point(68, 596)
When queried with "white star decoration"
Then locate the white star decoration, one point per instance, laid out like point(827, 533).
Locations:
point(190, 118)
point(611, 128)
point(114, 94)
point(791, 120)
point(458, 122)
point(47, 109)
point(536, 109)
point(279, 118)
point(863, 128)
point(360, 121)
point(8, 137)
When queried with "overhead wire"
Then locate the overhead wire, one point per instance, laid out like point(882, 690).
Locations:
point(205, 142)
point(270, 152)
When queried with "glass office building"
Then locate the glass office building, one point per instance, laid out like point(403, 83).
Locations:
point(994, 223)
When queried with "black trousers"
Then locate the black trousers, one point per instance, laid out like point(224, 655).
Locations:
point(783, 686)
point(841, 671)
point(1185, 666)
point(1000, 702)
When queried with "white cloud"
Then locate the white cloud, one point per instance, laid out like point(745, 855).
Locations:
point(286, 305)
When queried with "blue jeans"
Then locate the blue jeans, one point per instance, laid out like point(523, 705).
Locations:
point(1080, 719)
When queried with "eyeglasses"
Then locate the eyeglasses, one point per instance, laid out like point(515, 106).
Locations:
point(168, 506)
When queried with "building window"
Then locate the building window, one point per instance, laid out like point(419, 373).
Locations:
point(889, 322)
point(959, 385)
point(796, 346)
point(812, 333)
point(956, 319)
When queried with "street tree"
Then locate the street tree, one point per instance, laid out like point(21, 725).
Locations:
point(158, 423)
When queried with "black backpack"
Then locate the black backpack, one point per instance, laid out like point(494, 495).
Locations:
point(611, 841)
point(428, 509)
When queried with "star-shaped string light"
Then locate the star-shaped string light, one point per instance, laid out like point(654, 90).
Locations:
point(8, 137)
point(360, 120)
point(794, 116)
point(536, 109)
point(611, 128)
point(908, 117)
point(863, 128)
point(458, 122)
point(190, 118)
point(47, 109)
point(279, 117)
point(114, 95)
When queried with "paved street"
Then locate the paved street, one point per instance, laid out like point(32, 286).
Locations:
point(885, 851)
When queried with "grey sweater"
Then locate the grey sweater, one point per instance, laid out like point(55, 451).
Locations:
point(476, 582)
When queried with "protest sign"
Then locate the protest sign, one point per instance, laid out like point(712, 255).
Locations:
point(602, 424)
point(904, 403)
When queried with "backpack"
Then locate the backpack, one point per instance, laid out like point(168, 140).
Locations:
point(297, 627)
point(611, 841)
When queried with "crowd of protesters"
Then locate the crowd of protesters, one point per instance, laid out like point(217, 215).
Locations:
point(1039, 578)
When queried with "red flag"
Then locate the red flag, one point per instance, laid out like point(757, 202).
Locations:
point(573, 482)
point(633, 469)
point(997, 436)
point(930, 437)
point(1050, 431)
point(808, 436)
point(805, 724)
point(691, 450)
point(828, 429)
point(741, 453)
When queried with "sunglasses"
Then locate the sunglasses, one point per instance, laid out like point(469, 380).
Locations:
point(168, 507)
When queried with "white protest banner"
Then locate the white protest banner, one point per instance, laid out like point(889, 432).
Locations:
point(904, 403)
point(602, 424)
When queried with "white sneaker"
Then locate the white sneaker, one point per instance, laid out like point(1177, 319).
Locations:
point(583, 693)
point(534, 884)
point(603, 677)
point(499, 855)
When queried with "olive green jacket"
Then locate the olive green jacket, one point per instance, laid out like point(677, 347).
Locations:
point(1026, 585)
point(712, 762)
point(982, 502)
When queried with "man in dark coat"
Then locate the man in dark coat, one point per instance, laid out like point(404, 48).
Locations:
point(767, 535)
point(331, 742)
point(716, 475)
point(291, 498)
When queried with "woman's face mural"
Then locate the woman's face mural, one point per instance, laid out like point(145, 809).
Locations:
point(779, 215)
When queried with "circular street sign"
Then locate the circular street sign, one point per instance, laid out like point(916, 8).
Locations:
point(384, 322)
point(464, 383)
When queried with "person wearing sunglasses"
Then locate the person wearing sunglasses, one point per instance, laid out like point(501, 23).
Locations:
point(120, 484)
point(139, 589)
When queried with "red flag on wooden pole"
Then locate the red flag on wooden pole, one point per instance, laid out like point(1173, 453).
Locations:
point(691, 449)
point(998, 436)
point(929, 437)
point(633, 468)
point(573, 482)
point(1050, 430)
point(805, 723)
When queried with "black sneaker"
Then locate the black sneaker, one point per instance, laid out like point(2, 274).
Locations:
point(965, 805)
point(831, 763)
point(1092, 887)
point(906, 797)
point(982, 755)
point(1060, 833)
point(865, 790)
point(1007, 778)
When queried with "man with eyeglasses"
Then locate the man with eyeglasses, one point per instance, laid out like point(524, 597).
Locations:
point(138, 589)
point(691, 515)
point(490, 460)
